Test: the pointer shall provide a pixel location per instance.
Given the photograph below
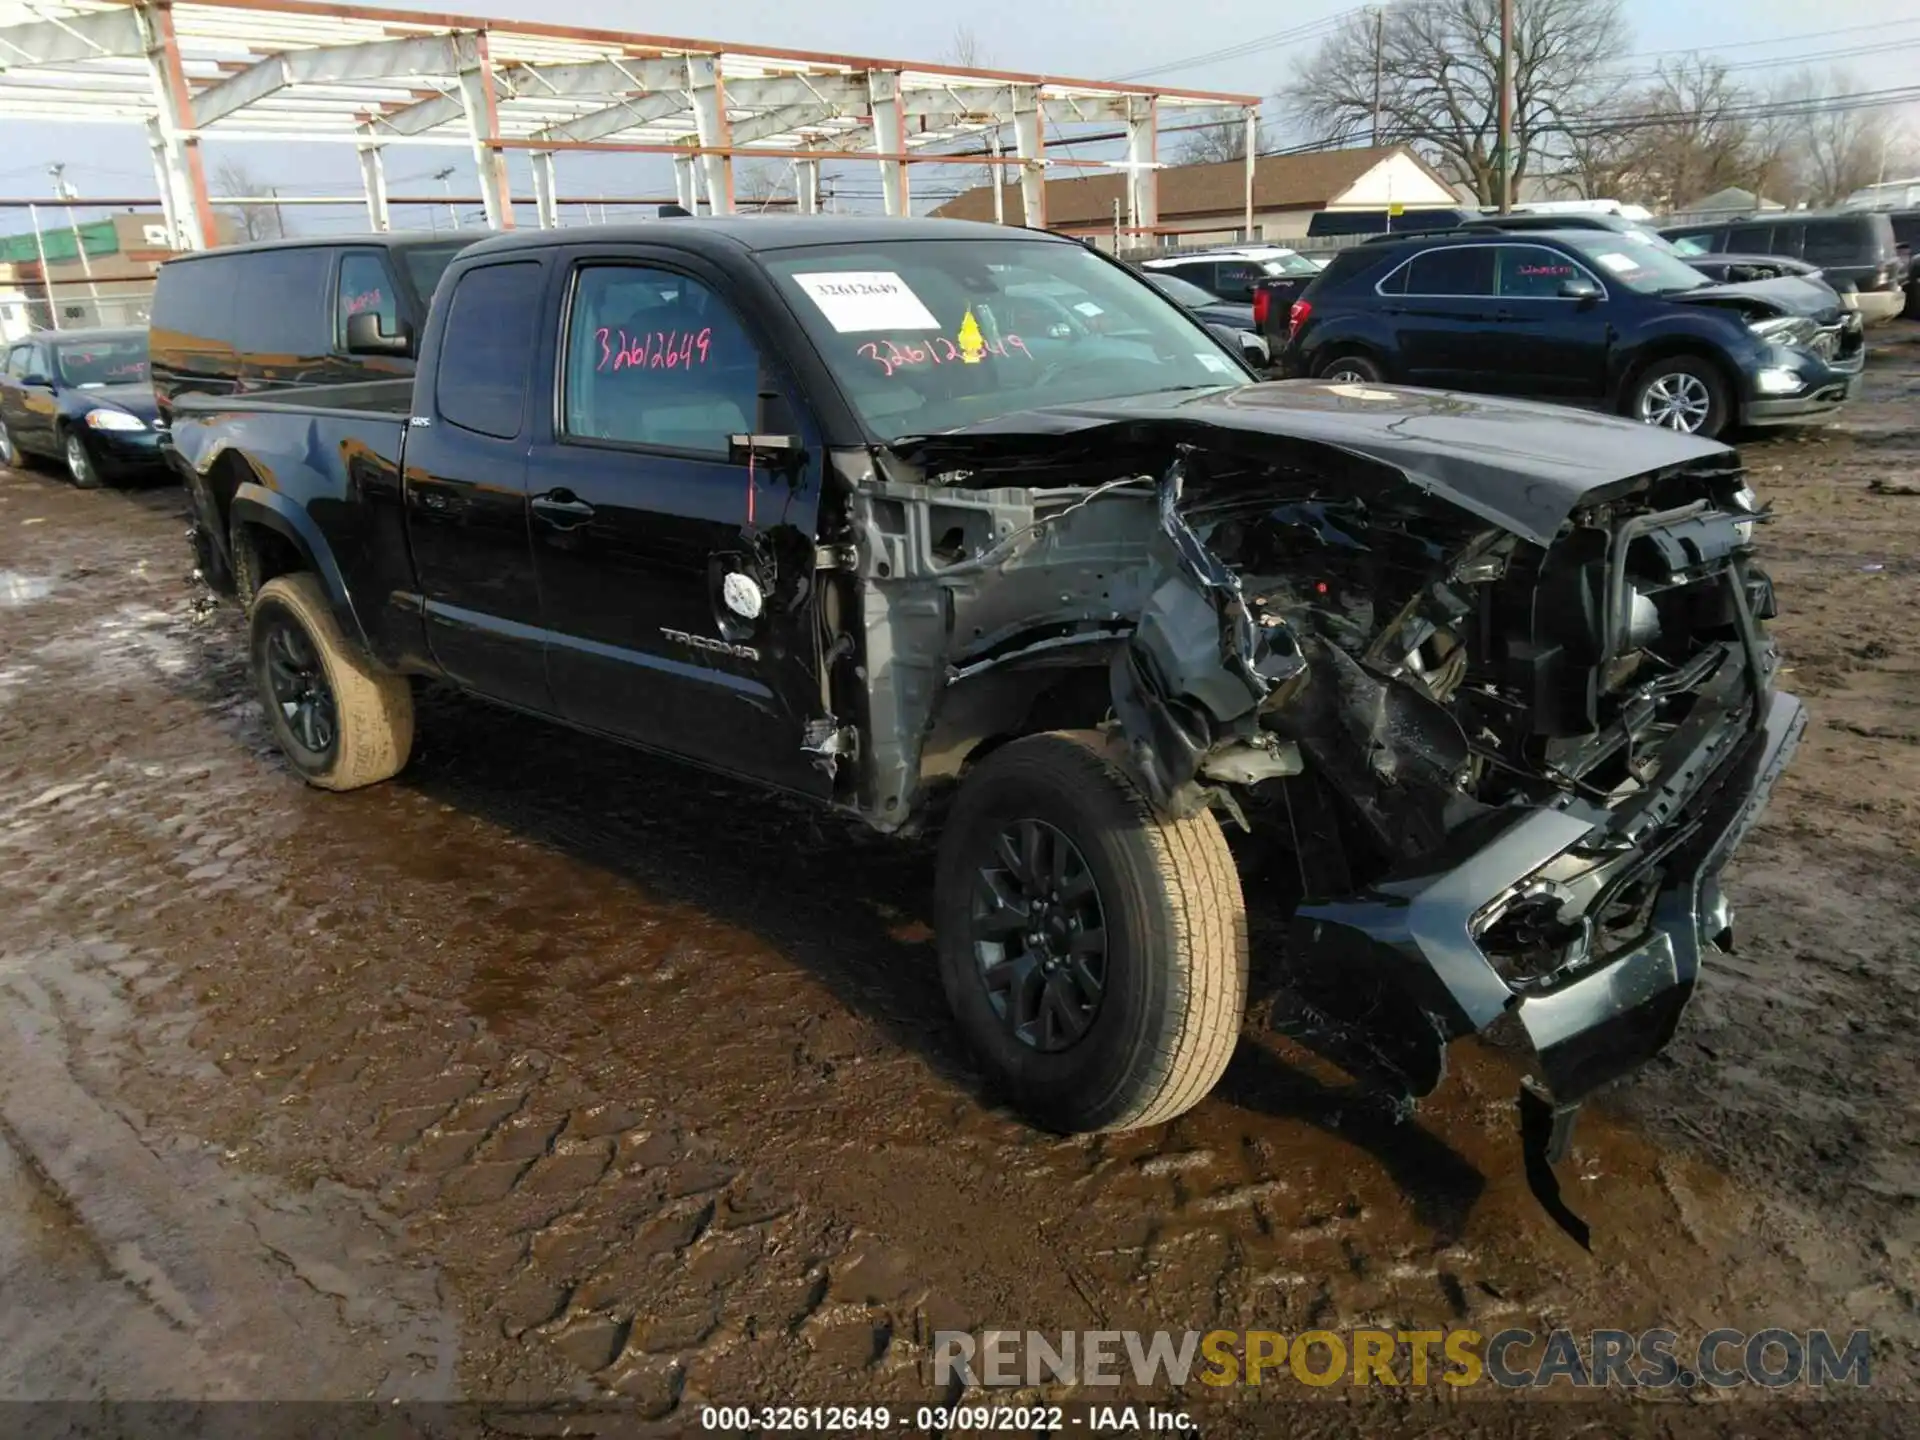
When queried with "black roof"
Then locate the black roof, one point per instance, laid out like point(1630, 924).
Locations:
point(386, 240)
point(768, 232)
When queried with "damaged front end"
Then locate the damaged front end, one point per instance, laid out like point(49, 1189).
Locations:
point(1521, 768)
point(1493, 692)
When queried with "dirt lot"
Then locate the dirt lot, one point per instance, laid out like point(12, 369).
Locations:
point(548, 1071)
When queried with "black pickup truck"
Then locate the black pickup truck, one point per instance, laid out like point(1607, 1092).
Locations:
point(799, 499)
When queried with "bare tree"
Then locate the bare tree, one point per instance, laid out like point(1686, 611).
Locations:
point(1839, 149)
point(1223, 139)
point(1692, 133)
point(758, 183)
point(250, 222)
point(965, 51)
point(1439, 80)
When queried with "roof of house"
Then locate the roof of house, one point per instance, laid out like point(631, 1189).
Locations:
point(1280, 182)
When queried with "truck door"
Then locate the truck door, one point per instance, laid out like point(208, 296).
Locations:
point(465, 463)
point(676, 577)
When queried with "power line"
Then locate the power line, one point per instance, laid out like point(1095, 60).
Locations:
point(1246, 47)
point(1774, 40)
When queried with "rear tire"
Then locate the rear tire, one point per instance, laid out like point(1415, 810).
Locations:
point(10, 456)
point(1684, 393)
point(1162, 899)
point(340, 720)
point(1352, 370)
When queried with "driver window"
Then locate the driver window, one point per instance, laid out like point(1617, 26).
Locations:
point(365, 285)
point(656, 358)
point(1533, 272)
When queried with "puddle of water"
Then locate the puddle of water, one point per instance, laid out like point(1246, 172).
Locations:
point(18, 589)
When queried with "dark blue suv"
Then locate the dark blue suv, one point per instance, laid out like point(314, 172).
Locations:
point(1581, 316)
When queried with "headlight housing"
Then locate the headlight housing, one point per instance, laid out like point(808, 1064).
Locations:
point(1778, 382)
point(114, 420)
point(1784, 329)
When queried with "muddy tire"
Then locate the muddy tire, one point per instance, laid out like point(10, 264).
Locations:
point(10, 456)
point(340, 720)
point(1094, 952)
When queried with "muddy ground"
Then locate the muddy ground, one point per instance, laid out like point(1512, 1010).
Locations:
point(549, 1071)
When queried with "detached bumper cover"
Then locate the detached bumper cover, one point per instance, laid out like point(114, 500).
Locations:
point(1617, 1014)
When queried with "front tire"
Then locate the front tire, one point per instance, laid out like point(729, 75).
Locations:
point(1094, 952)
point(340, 720)
point(10, 456)
point(1684, 393)
point(81, 468)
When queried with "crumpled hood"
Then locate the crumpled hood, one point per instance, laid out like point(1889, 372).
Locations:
point(1524, 466)
point(1788, 295)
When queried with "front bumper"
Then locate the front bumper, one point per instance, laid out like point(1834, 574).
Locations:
point(1616, 1014)
point(125, 452)
point(1876, 307)
point(1826, 385)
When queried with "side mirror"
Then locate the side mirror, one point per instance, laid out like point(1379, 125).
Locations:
point(1579, 287)
point(365, 337)
point(36, 379)
point(774, 451)
point(1247, 345)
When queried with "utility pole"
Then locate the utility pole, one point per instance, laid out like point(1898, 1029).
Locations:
point(1506, 106)
point(1379, 44)
point(63, 191)
point(453, 215)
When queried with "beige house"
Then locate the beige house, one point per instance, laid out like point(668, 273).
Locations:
point(1206, 204)
point(99, 273)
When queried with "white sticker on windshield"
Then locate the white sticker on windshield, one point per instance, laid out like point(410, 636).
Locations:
point(1214, 363)
point(1617, 262)
point(1089, 309)
point(857, 300)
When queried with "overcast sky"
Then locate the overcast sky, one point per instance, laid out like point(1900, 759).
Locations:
point(1085, 38)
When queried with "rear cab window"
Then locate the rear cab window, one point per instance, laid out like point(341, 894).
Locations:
point(481, 378)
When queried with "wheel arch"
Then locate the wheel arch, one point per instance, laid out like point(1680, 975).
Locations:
point(257, 513)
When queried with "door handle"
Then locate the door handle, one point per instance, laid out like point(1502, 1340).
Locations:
point(562, 509)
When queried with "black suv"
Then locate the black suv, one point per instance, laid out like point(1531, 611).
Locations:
point(1853, 248)
point(1581, 316)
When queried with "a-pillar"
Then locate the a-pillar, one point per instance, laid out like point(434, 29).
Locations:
point(1029, 143)
point(710, 121)
point(889, 138)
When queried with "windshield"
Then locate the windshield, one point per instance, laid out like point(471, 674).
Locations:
point(1632, 262)
point(427, 263)
point(1181, 292)
point(1289, 264)
point(90, 364)
point(931, 335)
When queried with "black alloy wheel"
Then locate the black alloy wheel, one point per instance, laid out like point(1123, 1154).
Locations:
point(1039, 936)
point(302, 699)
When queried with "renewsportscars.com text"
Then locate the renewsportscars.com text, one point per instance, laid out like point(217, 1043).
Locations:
point(1512, 1359)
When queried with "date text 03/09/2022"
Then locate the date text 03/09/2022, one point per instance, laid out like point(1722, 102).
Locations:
point(943, 1419)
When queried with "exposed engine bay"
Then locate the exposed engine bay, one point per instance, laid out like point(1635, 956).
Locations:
point(1511, 712)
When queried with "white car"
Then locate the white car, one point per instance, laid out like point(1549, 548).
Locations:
point(1229, 273)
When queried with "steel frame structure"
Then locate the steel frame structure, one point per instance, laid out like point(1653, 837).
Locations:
point(300, 70)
